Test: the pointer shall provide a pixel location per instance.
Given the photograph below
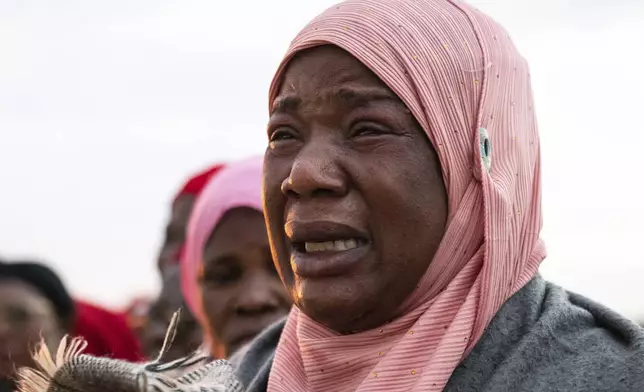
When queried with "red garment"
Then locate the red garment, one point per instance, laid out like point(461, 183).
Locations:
point(107, 333)
point(195, 184)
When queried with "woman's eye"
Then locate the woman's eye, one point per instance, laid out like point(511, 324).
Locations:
point(369, 130)
point(18, 316)
point(220, 277)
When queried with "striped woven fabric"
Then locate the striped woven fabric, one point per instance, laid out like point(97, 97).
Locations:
point(71, 371)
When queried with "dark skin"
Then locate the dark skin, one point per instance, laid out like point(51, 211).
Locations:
point(26, 316)
point(189, 335)
point(241, 290)
point(175, 233)
point(346, 158)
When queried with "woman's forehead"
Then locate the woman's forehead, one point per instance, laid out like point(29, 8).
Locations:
point(329, 74)
point(239, 228)
point(347, 95)
point(327, 64)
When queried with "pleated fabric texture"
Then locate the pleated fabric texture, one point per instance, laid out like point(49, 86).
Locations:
point(461, 76)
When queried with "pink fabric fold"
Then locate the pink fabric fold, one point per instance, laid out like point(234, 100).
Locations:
point(457, 71)
point(236, 185)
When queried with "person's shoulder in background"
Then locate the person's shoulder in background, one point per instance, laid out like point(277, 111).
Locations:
point(253, 362)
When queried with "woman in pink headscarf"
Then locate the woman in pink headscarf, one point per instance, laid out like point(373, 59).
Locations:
point(402, 193)
point(228, 278)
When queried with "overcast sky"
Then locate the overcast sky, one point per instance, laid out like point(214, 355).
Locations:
point(106, 106)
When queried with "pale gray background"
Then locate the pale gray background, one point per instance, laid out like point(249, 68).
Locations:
point(105, 106)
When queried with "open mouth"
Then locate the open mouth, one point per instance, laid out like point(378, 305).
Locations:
point(324, 236)
point(324, 248)
point(329, 246)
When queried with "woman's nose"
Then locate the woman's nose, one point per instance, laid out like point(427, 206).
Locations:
point(315, 172)
point(257, 298)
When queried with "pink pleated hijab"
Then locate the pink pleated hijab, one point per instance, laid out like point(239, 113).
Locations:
point(464, 81)
point(236, 185)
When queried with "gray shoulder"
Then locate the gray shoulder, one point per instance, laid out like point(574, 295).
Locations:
point(253, 363)
point(547, 339)
point(571, 343)
point(600, 347)
point(543, 339)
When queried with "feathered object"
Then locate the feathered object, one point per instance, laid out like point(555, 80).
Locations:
point(71, 371)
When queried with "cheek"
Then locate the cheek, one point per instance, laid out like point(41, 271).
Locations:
point(287, 279)
point(273, 198)
point(408, 210)
point(280, 253)
point(51, 333)
point(214, 306)
point(30, 335)
point(274, 202)
point(284, 294)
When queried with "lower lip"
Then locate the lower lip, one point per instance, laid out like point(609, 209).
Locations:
point(327, 263)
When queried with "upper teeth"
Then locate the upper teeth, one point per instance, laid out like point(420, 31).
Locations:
point(331, 245)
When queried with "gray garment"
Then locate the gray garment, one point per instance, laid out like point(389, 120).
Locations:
point(543, 339)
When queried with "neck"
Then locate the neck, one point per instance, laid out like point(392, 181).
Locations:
point(217, 349)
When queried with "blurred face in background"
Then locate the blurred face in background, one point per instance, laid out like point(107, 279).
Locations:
point(25, 317)
point(175, 233)
point(137, 316)
point(240, 289)
point(189, 335)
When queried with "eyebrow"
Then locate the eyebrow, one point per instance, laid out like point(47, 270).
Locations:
point(350, 96)
point(286, 103)
point(224, 259)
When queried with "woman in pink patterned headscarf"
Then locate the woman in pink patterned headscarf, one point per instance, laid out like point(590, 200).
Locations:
point(402, 192)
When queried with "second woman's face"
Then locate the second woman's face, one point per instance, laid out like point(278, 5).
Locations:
point(241, 291)
point(26, 317)
point(189, 335)
point(353, 192)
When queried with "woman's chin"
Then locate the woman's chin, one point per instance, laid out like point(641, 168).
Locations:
point(337, 303)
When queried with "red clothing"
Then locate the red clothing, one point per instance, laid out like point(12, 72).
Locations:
point(107, 333)
point(195, 184)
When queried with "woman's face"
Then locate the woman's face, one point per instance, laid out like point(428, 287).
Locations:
point(189, 335)
point(241, 291)
point(353, 191)
point(175, 232)
point(25, 317)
